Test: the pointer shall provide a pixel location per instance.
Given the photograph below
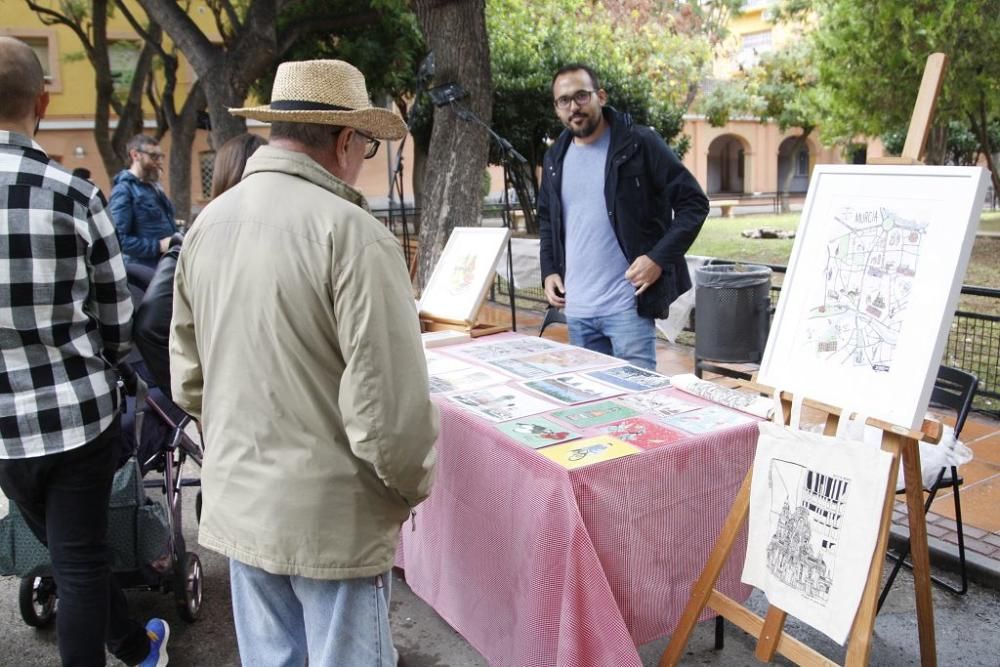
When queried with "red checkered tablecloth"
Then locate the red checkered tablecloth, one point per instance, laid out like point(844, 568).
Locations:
point(538, 565)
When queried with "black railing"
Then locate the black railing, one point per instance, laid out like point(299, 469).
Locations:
point(973, 342)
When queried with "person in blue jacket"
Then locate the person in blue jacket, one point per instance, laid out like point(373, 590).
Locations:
point(140, 208)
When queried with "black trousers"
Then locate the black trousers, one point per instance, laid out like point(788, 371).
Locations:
point(64, 499)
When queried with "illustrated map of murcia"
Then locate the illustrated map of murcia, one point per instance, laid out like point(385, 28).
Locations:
point(867, 283)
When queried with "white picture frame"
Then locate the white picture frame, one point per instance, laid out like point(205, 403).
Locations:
point(872, 285)
point(462, 275)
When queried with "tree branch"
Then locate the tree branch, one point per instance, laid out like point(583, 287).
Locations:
point(184, 32)
point(51, 17)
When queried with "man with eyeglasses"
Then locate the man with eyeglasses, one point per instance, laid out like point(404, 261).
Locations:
point(143, 215)
point(295, 342)
point(616, 211)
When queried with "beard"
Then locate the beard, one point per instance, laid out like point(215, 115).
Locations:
point(151, 174)
point(584, 129)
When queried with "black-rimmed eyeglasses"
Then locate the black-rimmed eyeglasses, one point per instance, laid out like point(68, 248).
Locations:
point(581, 97)
point(373, 144)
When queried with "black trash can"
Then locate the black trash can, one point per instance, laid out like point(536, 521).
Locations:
point(732, 312)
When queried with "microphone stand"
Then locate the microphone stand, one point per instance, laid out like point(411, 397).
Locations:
point(508, 155)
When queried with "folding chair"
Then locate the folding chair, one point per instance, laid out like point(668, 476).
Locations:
point(953, 389)
point(553, 315)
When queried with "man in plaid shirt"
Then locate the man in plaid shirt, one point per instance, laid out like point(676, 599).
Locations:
point(65, 319)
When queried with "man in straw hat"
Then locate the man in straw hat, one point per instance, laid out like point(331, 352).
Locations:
point(295, 342)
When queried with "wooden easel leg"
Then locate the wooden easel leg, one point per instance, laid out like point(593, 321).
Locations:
point(918, 550)
point(702, 589)
point(774, 625)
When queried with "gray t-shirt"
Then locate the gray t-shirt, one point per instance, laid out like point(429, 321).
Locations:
point(595, 265)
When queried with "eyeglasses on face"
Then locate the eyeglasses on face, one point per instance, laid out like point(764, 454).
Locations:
point(581, 97)
point(373, 144)
point(157, 155)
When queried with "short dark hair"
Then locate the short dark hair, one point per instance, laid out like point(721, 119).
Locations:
point(139, 142)
point(576, 67)
point(310, 134)
point(82, 172)
point(22, 79)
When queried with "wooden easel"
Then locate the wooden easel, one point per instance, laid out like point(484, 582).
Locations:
point(901, 442)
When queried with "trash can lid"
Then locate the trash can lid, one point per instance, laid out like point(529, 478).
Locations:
point(732, 275)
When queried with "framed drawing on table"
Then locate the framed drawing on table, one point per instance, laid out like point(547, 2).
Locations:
point(461, 278)
point(872, 284)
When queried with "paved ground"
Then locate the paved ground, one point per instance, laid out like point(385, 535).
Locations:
point(968, 628)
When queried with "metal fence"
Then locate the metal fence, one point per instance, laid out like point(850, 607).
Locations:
point(973, 342)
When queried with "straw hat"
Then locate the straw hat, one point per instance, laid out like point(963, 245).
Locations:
point(327, 92)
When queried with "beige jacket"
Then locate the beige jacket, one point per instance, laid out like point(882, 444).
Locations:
point(295, 342)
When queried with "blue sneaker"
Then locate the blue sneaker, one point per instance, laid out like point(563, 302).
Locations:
point(158, 632)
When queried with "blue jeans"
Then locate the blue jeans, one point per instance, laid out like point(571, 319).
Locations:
point(281, 620)
point(625, 335)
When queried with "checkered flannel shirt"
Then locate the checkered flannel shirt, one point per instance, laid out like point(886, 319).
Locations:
point(65, 309)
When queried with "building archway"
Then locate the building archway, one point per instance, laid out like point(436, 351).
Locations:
point(728, 155)
point(798, 161)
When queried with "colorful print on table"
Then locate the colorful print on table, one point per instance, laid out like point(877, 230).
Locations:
point(659, 404)
point(464, 380)
point(567, 359)
point(644, 433)
point(706, 420)
point(631, 378)
point(536, 432)
point(517, 347)
point(595, 414)
point(579, 453)
point(500, 403)
point(571, 389)
point(518, 368)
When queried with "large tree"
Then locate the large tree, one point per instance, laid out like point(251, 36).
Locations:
point(89, 22)
point(455, 30)
point(871, 57)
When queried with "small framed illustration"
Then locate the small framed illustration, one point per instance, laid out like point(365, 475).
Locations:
point(872, 286)
point(461, 278)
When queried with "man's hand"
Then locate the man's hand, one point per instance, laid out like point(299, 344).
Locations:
point(555, 292)
point(643, 273)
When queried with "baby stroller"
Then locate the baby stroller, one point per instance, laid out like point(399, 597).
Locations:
point(148, 550)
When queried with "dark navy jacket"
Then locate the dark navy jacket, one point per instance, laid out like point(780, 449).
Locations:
point(653, 202)
point(143, 215)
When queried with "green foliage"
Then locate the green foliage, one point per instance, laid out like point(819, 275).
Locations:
point(871, 59)
point(780, 88)
point(380, 37)
point(646, 70)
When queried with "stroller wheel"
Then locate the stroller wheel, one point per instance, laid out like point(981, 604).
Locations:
point(187, 587)
point(37, 600)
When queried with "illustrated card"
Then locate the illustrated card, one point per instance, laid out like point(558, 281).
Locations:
point(644, 433)
point(517, 347)
point(595, 414)
point(566, 360)
point(500, 403)
point(464, 380)
point(536, 432)
point(659, 404)
point(631, 378)
point(706, 420)
point(571, 389)
point(579, 453)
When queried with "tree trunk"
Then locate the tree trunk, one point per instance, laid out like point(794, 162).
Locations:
point(980, 122)
point(455, 30)
point(182, 130)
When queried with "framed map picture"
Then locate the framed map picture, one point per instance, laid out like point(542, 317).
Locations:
point(872, 286)
point(460, 279)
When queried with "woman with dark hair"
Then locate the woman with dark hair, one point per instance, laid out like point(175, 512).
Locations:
point(231, 159)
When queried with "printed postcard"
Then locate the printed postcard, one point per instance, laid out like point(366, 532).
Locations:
point(631, 378)
point(464, 380)
point(571, 389)
point(659, 404)
point(644, 433)
point(536, 432)
point(706, 420)
point(566, 360)
point(579, 453)
point(500, 403)
point(595, 414)
point(506, 349)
